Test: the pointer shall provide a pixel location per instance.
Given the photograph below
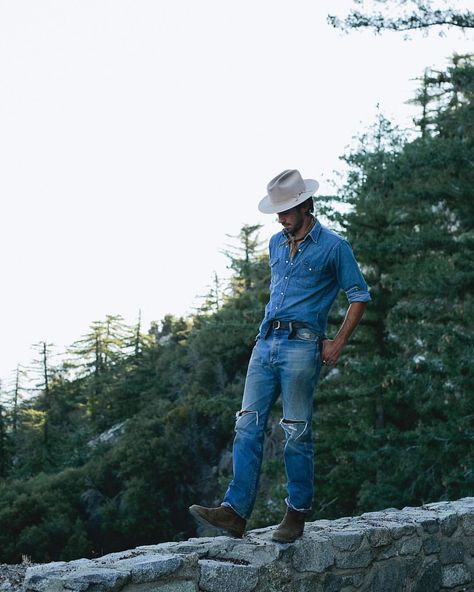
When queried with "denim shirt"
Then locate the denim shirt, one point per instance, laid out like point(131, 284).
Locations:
point(305, 287)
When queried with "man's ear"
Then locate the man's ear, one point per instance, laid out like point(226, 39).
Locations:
point(309, 206)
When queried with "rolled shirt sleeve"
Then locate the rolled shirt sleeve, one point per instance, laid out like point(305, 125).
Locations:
point(348, 274)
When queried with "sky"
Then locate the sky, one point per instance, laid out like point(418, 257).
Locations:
point(136, 136)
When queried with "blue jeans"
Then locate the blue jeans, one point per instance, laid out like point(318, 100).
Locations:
point(289, 366)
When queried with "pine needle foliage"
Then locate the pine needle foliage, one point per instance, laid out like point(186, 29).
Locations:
point(140, 425)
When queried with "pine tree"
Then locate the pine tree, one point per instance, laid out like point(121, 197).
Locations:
point(94, 356)
point(411, 15)
point(44, 370)
point(4, 455)
point(17, 397)
point(212, 301)
point(400, 403)
point(241, 256)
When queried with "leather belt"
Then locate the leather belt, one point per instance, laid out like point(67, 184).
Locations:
point(287, 325)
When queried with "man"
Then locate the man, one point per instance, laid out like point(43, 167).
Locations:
point(309, 265)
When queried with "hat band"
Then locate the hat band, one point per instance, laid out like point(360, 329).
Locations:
point(283, 200)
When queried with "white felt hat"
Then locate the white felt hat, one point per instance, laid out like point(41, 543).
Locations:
point(287, 190)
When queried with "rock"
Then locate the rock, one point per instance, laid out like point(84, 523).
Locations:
point(387, 552)
point(174, 586)
point(255, 553)
point(451, 552)
point(80, 579)
point(430, 578)
point(149, 568)
point(11, 577)
point(226, 577)
point(448, 523)
point(203, 546)
point(431, 545)
point(354, 559)
point(429, 525)
point(410, 546)
point(455, 575)
point(41, 577)
point(402, 530)
point(387, 576)
point(467, 522)
point(336, 582)
point(347, 540)
point(379, 537)
point(110, 436)
point(313, 553)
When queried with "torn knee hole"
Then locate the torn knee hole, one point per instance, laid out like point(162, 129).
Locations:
point(246, 412)
point(294, 428)
point(292, 421)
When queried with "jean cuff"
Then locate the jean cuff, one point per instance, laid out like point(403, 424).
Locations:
point(227, 505)
point(303, 510)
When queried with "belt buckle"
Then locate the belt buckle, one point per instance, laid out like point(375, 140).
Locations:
point(276, 324)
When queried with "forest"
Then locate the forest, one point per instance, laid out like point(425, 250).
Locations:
point(135, 424)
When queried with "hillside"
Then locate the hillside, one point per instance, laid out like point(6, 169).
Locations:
point(394, 421)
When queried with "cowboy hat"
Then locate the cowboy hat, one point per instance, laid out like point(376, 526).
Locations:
point(285, 191)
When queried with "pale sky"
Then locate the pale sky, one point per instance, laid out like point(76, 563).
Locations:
point(136, 135)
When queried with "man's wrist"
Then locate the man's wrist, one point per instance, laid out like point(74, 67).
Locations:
point(341, 340)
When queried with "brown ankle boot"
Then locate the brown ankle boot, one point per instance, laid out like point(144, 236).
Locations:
point(221, 517)
point(290, 528)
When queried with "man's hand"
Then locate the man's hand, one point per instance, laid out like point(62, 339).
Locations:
point(332, 348)
point(331, 351)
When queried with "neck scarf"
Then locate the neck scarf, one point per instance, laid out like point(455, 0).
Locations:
point(292, 241)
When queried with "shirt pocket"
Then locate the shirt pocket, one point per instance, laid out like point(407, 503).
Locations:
point(310, 273)
point(275, 270)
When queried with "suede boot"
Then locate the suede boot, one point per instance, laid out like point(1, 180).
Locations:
point(290, 528)
point(221, 517)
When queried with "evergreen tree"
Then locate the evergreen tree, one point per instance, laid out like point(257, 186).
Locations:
point(43, 349)
point(4, 456)
point(104, 347)
point(138, 339)
point(412, 15)
point(212, 301)
point(18, 394)
point(401, 406)
point(241, 257)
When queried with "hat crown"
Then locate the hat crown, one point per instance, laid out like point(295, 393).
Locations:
point(285, 186)
point(286, 191)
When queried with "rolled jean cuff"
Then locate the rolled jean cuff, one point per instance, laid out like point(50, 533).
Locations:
point(303, 510)
point(227, 505)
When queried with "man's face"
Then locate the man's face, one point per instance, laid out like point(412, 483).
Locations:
point(292, 220)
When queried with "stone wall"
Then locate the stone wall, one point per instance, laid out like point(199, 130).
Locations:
point(425, 549)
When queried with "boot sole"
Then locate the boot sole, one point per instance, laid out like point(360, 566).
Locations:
point(197, 516)
point(285, 542)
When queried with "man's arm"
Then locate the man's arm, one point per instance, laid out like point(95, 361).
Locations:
point(332, 348)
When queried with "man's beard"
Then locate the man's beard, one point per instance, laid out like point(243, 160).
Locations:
point(297, 227)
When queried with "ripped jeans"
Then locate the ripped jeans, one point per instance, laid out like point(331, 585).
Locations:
point(290, 367)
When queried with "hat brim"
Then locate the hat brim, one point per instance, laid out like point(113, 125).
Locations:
point(268, 207)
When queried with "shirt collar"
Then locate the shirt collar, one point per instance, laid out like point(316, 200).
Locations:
point(316, 231)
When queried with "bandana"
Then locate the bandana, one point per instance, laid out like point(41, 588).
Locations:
point(292, 241)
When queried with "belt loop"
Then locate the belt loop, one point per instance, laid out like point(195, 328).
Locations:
point(292, 330)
